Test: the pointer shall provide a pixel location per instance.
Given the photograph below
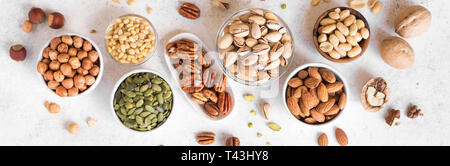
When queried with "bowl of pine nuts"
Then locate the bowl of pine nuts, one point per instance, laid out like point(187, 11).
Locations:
point(131, 39)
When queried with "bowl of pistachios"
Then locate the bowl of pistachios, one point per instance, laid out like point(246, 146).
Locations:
point(142, 100)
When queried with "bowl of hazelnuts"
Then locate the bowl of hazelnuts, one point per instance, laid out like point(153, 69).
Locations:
point(70, 65)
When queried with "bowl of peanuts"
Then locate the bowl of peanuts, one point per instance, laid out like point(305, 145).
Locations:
point(131, 39)
point(341, 34)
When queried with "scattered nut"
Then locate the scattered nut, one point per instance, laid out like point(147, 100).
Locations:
point(149, 10)
point(266, 111)
point(205, 138)
point(397, 52)
point(189, 10)
point(414, 112)
point(36, 15)
point(322, 140)
point(375, 94)
point(27, 26)
point(92, 122)
point(341, 137)
point(130, 2)
point(314, 2)
point(54, 108)
point(232, 141)
point(412, 21)
point(377, 7)
point(357, 4)
point(73, 128)
point(259, 135)
point(393, 117)
point(249, 97)
point(18, 52)
point(221, 4)
point(56, 20)
point(250, 125)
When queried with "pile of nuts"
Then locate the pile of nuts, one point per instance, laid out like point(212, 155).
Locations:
point(204, 85)
point(206, 138)
point(69, 65)
point(130, 39)
point(315, 95)
point(37, 15)
point(254, 45)
point(340, 34)
point(375, 94)
point(143, 101)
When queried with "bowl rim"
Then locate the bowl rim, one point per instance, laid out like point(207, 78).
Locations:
point(97, 79)
point(214, 65)
point(126, 75)
point(152, 28)
point(254, 83)
point(320, 65)
point(365, 42)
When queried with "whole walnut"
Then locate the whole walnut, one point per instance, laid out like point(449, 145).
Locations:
point(413, 21)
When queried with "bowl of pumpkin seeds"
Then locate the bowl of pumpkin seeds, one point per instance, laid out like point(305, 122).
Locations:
point(142, 100)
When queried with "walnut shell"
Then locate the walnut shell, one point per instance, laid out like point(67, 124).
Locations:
point(380, 85)
point(397, 53)
point(413, 21)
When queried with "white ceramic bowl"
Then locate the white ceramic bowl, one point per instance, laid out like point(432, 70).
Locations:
point(338, 77)
point(125, 76)
point(213, 66)
point(97, 79)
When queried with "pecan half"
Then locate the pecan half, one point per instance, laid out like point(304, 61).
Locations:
point(199, 98)
point(189, 10)
point(221, 84)
point(211, 95)
point(211, 109)
point(205, 138)
point(232, 141)
point(209, 77)
point(224, 103)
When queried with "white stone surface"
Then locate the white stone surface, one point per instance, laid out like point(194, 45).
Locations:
point(25, 121)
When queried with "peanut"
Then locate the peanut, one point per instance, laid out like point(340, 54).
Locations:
point(377, 7)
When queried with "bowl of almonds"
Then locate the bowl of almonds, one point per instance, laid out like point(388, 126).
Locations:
point(255, 46)
point(315, 94)
point(341, 34)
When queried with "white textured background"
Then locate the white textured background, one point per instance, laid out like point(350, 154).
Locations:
point(25, 121)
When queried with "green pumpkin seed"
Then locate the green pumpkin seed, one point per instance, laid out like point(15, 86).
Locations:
point(139, 120)
point(145, 114)
point(138, 111)
point(143, 88)
point(157, 80)
point(156, 88)
point(274, 126)
point(139, 103)
point(160, 117)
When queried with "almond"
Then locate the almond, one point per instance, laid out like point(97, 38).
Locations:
point(292, 104)
point(302, 74)
point(327, 75)
point(315, 100)
point(314, 73)
point(325, 106)
point(319, 117)
point(334, 87)
point(298, 92)
point(305, 111)
point(342, 101)
point(295, 82)
point(307, 99)
point(341, 137)
point(333, 110)
point(322, 92)
point(323, 140)
point(310, 120)
point(311, 82)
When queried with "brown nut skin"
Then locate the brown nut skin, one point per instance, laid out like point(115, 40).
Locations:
point(54, 65)
point(73, 128)
point(90, 80)
point(54, 108)
point(87, 46)
point(53, 55)
point(79, 81)
point(63, 58)
point(36, 15)
point(412, 21)
point(48, 76)
point(94, 70)
point(82, 54)
point(63, 48)
point(52, 84)
point(55, 20)
point(232, 141)
point(42, 67)
point(77, 42)
point(55, 42)
point(46, 60)
point(81, 71)
point(72, 51)
point(58, 76)
point(397, 53)
point(93, 55)
point(17, 52)
point(67, 83)
point(86, 64)
point(75, 62)
point(27, 26)
point(67, 39)
point(45, 52)
point(72, 91)
point(61, 91)
point(66, 69)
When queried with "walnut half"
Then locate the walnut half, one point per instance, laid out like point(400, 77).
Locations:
point(414, 112)
point(393, 117)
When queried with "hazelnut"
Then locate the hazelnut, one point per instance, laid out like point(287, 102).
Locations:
point(36, 15)
point(52, 84)
point(89, 80)
point(67, 39)
point(94, 70)
point(67, 83)
point(54, 108)
point(66, 69)
point(61, 91)
point(93, 55)
point(87, 46)
point(82, 54)
point(63, 58)
point(53, 54)
point(54, 65)
point(55, 42)
point(77, 42)
point(46, 61)
point(45, 52)
point(92, 122)
point(74, 62)
point(55, 20)
point(48, 76)
point(17, 52)
point(73, 128)
point(63, 48)
point(71, 74)
point(72, 91)
point(27, 26)
point(42, 67)
point(58, 76)
point(86, 64)
point(79, 81)
point(82, 71)
point(72, 51)
point(82, 88)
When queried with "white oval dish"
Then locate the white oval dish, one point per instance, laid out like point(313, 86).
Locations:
point(97, 79)
point(116, 86)
point(213, 66)
point(338, 77)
